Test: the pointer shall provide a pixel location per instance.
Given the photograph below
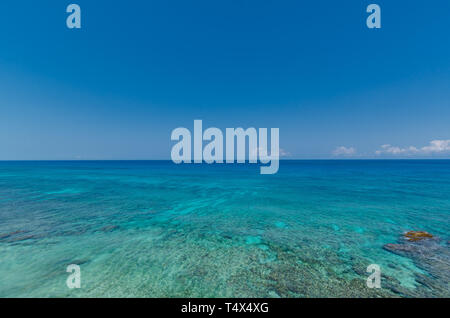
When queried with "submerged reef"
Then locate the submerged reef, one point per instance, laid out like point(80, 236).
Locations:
point(432, 255)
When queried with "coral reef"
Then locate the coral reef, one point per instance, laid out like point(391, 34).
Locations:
point(417, 235)
point(430, 254)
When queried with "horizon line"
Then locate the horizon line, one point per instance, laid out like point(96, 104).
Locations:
point(294, 159)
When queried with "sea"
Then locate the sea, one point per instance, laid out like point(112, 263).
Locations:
point(158, 229)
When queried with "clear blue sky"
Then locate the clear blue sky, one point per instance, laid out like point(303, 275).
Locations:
point(138, 69)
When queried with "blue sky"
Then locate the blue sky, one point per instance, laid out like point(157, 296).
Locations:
point(138, 69)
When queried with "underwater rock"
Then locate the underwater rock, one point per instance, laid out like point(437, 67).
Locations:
point(417, 235)
point(414, 243)
point(4, 236)
point(109, 228)
point(17, 236)
point(23, 238)
point(400, 248)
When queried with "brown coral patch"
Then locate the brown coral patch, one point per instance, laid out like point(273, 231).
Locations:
point(417, 235)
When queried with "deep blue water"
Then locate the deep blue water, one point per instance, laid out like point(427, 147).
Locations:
point(156, 229)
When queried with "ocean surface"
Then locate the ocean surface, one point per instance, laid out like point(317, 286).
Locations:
point(156, 229)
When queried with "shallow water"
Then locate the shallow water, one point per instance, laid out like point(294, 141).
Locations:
point(156, 229)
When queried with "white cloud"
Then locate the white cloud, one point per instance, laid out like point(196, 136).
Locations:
point(344, 151)
point(435, 147)
point(284, 153)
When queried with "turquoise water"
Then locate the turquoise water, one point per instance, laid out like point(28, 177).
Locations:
point(156, 229)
